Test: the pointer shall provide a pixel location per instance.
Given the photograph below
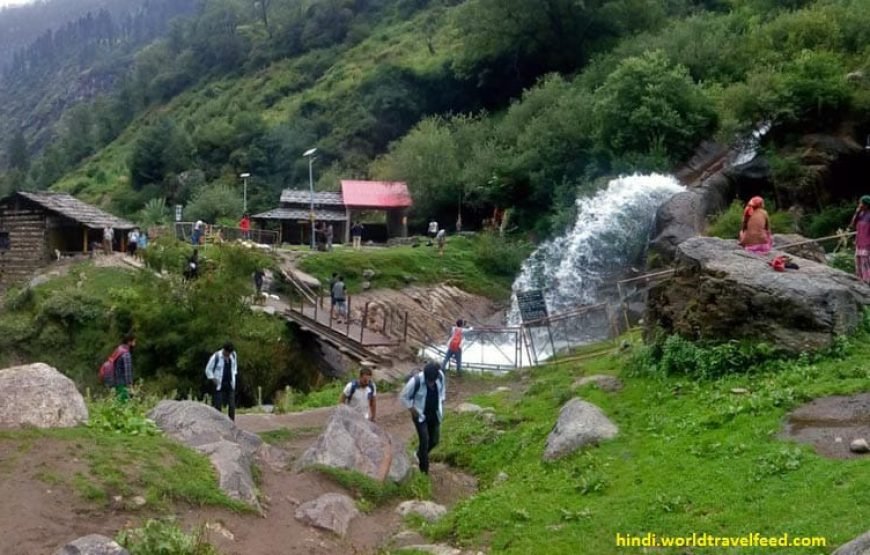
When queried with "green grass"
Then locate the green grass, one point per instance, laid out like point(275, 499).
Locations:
point(727, 224)
point(290, 400)
point(690, 457)
point(371, 493)
point(160, 470)
point(464, 265)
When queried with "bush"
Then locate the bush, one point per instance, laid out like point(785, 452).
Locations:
point(679, 356)
point(727, 224)
point(829, 220)
point(499, 256)
point(111, 415)
point(164, 537)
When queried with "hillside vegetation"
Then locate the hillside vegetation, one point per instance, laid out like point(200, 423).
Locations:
point(478, 104)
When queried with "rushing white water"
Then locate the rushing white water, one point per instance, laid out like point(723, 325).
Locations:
point(609, 236)
point(748, 149)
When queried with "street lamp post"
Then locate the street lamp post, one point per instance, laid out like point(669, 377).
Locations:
point(310, 155)
point(245, 177)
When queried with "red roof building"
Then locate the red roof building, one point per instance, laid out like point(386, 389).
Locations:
point(380, 195)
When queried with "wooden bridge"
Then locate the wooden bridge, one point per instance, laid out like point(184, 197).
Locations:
point(354, 335)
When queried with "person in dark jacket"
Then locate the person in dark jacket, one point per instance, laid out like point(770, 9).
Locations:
point(123, 375)
point(423, 396)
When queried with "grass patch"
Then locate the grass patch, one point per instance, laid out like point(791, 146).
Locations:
point(277, 437)
point(160, 470)
point(290, 400)
point(690, 457)
point(163, 537)
point(468, 263)
point(371, 493)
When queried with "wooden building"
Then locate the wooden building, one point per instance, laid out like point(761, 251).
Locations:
point(34, 227)
point(294, 215)
point(340, 209)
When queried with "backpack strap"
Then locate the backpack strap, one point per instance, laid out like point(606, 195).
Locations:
point(353, 387)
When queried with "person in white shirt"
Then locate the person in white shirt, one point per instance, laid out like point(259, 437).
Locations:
point(133, 241)
point(361, 395)
point(108, 239)
point(222, 371)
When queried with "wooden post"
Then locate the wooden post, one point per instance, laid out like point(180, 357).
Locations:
point(347, 317)
point(365, 318)
point(405, 334)
point(85, 231)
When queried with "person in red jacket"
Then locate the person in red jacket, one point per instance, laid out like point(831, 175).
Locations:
point(245, 226)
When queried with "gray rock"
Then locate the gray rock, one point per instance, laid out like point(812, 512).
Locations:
point(230, 449)
point(503, 389)
point(610, 384)
point(94, 544)
point(353, 443)
point(859, 446)
point(38, 395)
point(426, 509)
point(368, 274)
point(808, 251)
point(580, 424)
point(468, 407)
point(685, 215)
point(501, 477)
point(366, 285)
point(330, 511)
point(858, 546)
point(721, 292)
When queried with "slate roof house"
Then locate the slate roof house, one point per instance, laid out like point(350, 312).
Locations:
point(35, 225)
point(341, 209)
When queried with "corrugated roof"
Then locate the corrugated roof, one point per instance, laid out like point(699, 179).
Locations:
point(76, 210)
point(297, 214)
point(301, 196)
point(375, 194)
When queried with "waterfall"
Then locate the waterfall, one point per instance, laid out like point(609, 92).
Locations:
point(608, 237)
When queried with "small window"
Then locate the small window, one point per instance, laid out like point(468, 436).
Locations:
point(4, 240)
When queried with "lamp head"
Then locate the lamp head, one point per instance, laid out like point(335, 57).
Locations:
point(309, 152)
point(246, 174)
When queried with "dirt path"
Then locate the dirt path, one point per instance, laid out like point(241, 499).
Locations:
point(278, 532)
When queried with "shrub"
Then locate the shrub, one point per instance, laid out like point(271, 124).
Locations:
point(111, 415)
point(679, 356)
point(499, 256)
point(829, 220)
point(164, 537)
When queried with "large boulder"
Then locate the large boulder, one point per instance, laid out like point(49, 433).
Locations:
point(94, 544)
point(580, 424)
point(351, 442)
point(330, 511)
point(858, 546)
point(802, 247)
point(40, 396)
point(685, 214)
point(230, 449)
point(721, 292)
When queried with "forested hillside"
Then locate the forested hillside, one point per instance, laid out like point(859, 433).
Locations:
point(481, 103)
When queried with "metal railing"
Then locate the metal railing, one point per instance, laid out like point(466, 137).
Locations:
point(216, 234)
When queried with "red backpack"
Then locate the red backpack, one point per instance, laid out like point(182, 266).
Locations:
point(106, 374)
point(455, 340)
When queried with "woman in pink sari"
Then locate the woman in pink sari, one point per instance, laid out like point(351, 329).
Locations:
point(755, 231)
point(861, 225)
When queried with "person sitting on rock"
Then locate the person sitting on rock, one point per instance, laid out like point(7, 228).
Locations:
point(755, 232)
point(424, 396)
point(361, 395)
point(861, 225)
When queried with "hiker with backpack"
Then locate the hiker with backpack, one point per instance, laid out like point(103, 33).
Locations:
point(361, 395)
point(423, 395)
point(222, 370)
point(454, 346)
point(117, 371)
point(339, 292)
